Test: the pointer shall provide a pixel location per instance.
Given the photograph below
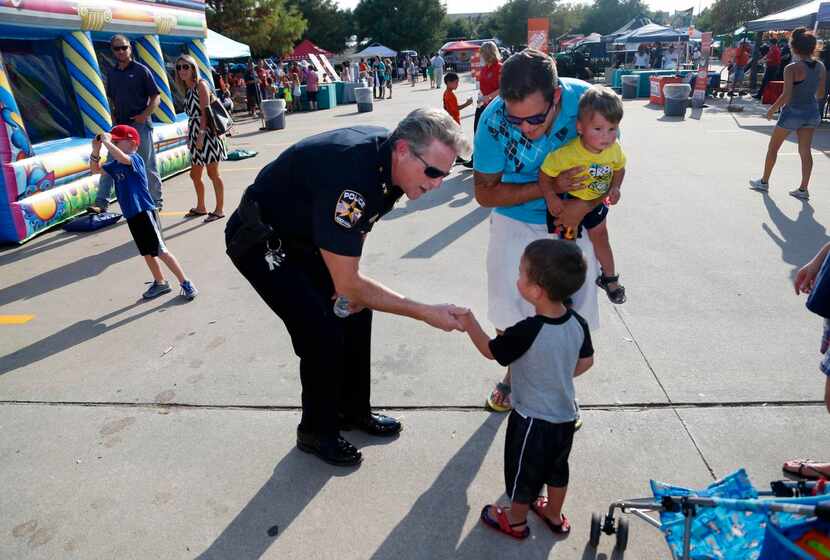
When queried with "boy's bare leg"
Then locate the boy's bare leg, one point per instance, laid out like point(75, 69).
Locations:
point(827, 393)
point(602, 247)
point(154, 267)
point(556, 499)
point(173, 265)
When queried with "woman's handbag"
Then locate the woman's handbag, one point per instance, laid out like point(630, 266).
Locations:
point(819, 299)
point(219, 121)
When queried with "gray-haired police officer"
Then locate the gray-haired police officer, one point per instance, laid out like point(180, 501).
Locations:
point(297, 237)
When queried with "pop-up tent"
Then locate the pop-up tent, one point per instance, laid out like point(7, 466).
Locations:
point(627, 28)
point(653, 33)
point(220, 47)
point(590, 39)
point(804, 15)
point(461, 46)
point(305, 48)
point(375, 49)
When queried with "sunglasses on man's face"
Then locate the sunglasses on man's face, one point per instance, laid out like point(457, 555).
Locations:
point(183, 67)
point(430, 171)
point(120, 47)
point(534, 120)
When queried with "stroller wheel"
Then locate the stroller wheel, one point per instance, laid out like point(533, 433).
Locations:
point(596, 528)
point(622, 534)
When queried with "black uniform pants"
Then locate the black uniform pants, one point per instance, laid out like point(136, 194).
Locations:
point(335, 353)
point(770, 74)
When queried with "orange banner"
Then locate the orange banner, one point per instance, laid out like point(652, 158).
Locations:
point(537, 33)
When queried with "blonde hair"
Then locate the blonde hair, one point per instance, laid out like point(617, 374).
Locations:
point(193, 66)
point(489, 52)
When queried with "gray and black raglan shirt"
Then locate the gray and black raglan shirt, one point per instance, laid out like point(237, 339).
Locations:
point(542, 353)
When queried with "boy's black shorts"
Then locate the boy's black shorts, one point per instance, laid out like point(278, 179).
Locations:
point(591, 220)
point(535, 453)
point(146, 230)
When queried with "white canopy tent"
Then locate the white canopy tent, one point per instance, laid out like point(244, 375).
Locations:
point(220, 47)
point(375, 49)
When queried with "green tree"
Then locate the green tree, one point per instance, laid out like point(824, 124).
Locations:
point(606, 16)
point(728, 15)
point(703, 21)
point(414, 24)
point(458, 28)
point(567, 18)
point(268, 26)
point(511, 18)
point(328, 26)
point(487, 28)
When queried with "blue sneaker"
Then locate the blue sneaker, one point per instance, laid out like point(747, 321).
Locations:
point(156, 290)
point(189, 290)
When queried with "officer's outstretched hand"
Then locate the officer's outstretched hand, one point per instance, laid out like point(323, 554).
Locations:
point(444, 317)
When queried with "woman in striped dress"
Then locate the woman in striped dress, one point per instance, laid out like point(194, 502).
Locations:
point(206, 149)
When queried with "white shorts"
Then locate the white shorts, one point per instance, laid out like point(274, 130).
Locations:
point(508, 239)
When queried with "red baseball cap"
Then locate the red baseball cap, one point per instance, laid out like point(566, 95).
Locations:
point(125, 132)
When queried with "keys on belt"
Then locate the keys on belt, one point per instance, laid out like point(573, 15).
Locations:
point(274, 257)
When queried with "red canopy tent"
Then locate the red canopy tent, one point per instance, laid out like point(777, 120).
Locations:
point(461, 46)
point(305, 48)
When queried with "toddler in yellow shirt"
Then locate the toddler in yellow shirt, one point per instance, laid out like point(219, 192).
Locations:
point(596, 150)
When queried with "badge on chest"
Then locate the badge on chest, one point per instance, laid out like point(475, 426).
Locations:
point(349, 209)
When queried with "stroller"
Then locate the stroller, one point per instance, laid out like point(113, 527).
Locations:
point(730, 520)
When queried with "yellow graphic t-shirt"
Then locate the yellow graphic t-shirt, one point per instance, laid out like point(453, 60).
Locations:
point(600, 166)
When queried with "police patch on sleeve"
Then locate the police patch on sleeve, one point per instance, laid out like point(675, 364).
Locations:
point(349, 209)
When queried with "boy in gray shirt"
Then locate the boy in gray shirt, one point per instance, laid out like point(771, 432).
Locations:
point(545, 353)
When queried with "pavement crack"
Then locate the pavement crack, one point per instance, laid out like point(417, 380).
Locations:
point(666, 393)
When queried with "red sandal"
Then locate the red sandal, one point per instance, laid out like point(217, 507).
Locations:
point(502, 524)
point(539, 507)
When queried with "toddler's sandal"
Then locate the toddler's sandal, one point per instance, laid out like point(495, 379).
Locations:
point(502, 524)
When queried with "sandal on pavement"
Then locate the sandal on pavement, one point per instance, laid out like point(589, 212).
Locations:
point(212, 217)
point(805, 468)
point(502, 524)
point(538, 508)
point(617, 295)
point(505, 405)
point(193, 213)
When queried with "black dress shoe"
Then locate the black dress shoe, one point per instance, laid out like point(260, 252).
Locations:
point(333, 450)
point(374, 425)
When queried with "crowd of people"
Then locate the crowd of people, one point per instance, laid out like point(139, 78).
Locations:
point(547, 161)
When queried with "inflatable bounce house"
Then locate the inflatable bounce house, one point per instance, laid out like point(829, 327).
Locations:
point(54, 61)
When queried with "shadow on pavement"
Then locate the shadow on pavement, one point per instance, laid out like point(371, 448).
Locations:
point(434, 525)
point(460, 184)
point(448, 235)
point(76, 271)
point(297, 479)
point(78, 333)
point(590, 553)
point(798, 239)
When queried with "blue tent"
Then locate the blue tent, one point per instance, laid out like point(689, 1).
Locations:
point(652, 33)
point(804, 15)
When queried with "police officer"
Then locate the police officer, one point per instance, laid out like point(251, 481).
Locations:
point(297, 237)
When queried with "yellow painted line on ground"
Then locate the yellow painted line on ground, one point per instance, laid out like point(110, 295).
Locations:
point(224, 169)
point(172, 213)
point(15, 319)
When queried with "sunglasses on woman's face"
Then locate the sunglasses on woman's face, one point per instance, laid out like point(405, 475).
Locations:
point(534, 120)
point(430, 171)
point(121, 47)
point(183, 67)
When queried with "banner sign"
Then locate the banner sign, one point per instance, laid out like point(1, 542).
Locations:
point(537, 33)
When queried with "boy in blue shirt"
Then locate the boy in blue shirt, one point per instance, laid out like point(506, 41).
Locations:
point(127, 171)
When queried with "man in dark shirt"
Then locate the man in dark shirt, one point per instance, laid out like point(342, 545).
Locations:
point(133, 97)
point(772, 57)
point(297, 237)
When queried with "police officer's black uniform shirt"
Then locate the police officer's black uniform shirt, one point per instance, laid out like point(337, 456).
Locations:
point(330, 189)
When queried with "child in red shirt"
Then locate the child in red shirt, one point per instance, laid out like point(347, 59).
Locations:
point(450, 101)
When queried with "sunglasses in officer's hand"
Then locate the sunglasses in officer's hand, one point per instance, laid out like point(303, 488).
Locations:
point(430, 171)
point(532, 119)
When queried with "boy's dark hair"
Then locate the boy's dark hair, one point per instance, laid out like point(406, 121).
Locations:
point(557, 266)
point(602, 100)
point(450, 77)
point(527, 72)
point(803, 42)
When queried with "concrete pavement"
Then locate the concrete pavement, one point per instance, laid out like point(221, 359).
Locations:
point(165, 429)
